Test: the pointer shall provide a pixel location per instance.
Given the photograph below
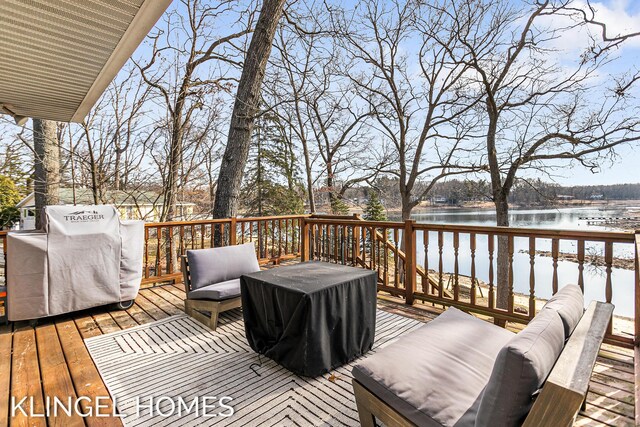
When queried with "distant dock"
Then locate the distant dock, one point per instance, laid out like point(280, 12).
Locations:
point(597, 220)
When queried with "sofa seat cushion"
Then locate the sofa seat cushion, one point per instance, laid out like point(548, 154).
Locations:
point(568, 302)
point(217, 291)
point(521, 369)
point(435, 375)
point(209, 266)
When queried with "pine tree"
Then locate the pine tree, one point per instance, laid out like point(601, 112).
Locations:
point(9, 197)
point(375, 209)
point(271, 185)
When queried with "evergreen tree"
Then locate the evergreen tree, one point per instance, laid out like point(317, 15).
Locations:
point(271, 184)
point(9, 197)
point(338, 206)
point(375, 210)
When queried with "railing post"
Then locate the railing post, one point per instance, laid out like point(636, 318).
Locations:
point(356, 239)
point(232, 232)
point(304, 241)
point(410, 263)
point(636, 319)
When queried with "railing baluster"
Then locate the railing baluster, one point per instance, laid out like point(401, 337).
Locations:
point(396, 257)
point(426, 287)
point(511, 294)
point(280, 238)
point(335, 244)
point(372, 239)
point(472, 248)
point(170, 251)
point(532, 277)
point(344, 244)
point(202, 228)
point(385, 254)
point(440, 264)
point(146, 252)
point(608, 260)
point(456, 283)
point(490, 248)
point(273, 239)
point(159, 257)
point(555, 249)
point(581, 264)
point(182, 247)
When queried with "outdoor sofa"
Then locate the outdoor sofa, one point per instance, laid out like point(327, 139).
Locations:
point(458, 370)
point(212, 279)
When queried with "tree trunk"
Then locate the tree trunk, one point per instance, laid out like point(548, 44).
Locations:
point(171, 187)
point(47, 165)
point(502, 270)
point(245, 109)
point(307, 168)
point(407, 207)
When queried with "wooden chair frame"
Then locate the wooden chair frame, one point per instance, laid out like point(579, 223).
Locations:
point(193, 307)
point(563, 394)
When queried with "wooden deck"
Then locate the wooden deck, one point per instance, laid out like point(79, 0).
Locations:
point(52, 360)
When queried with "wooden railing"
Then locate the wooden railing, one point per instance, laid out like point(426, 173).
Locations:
point(276, 238)
point(3, 257)
point(435, 264)
point(439, 264)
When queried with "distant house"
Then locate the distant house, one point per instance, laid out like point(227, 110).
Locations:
point(144, 205)
point(564, 197)
point(596, 197)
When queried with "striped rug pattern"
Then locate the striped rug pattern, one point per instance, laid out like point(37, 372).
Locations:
point(177, 361)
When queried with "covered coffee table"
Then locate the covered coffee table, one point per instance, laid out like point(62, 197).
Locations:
point(310, 317)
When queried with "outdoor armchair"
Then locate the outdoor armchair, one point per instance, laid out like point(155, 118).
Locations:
point(212, 279)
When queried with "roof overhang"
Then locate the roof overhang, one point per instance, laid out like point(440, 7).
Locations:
point(58, 56)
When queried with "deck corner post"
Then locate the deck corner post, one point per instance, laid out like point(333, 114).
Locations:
point(636, 288)
point(410, 254)
point(305, 248)
point(233, 232)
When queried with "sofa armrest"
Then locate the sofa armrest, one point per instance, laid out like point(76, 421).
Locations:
point(566, 387)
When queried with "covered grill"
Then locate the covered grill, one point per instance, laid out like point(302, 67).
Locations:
point(83, 257)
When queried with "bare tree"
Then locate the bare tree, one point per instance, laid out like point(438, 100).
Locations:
point(421, 112)
point(538, 113)
point(245, 109)
point(309, 90)
point(188, 44)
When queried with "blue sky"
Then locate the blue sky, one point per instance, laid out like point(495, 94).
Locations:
point(621, 16)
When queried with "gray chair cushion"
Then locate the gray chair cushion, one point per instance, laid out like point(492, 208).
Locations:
point(569, 303)
point(217, 291)
point(435, 375)
point(209, 266)
point(520, 370)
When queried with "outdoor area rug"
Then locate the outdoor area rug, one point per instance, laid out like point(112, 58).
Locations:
point(177, 361)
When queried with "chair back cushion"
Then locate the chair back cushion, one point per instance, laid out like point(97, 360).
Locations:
point(209, 266)
point(569, 303)
point(521, 368)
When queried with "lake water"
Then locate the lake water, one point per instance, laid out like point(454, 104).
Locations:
point(565, 218)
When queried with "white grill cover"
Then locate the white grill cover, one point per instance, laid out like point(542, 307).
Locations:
point(84, 257)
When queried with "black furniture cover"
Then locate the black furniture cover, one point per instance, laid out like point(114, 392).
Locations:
point(310, 317)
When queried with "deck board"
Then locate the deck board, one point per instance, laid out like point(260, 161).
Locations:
point(56, 380)
point(60, 345)
point(85, 375)
point(25, 379)
point(6, 338)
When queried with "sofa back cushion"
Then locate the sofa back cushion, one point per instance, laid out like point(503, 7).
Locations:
point(209, 266)
point(520, 369)
point(569, 303)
